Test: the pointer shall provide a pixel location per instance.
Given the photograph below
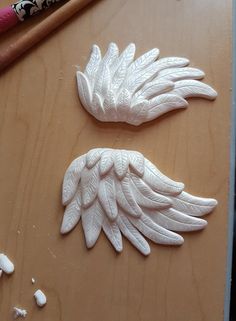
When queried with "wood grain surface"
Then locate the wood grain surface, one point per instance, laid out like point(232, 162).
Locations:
point(43, 127)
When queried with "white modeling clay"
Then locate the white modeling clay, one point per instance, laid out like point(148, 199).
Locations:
point(117, 88)
point(120, 191)
point(32, 280)
point(5, 264)
point(19, 313)
point(40, 298)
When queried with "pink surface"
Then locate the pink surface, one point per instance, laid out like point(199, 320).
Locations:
point(8, 18)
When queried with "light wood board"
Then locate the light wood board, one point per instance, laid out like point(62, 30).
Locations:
point(43, 127)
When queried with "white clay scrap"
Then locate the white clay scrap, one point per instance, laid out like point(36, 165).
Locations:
point(5, 264)
point(40, 298)
point(19, 313)
point(118, 88)
point(32, 280)
point(120, 191)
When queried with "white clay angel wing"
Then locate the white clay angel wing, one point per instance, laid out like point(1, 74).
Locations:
point(118, 88)
point(123, 193)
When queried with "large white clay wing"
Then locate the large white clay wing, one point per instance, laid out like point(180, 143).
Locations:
point(123, 193)
point(118, 88)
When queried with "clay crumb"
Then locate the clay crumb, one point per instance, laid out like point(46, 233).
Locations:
point(19, 313)
point(40, 298)
point(32, 280)
point(5, 264)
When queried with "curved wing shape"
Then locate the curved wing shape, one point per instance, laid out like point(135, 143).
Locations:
point(117, 88)
point(121, 192)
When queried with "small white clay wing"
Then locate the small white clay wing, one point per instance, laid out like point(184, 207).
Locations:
point(118, 88)
point(123, 193)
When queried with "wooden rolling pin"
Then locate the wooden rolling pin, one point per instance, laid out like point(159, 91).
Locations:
point(40, 31)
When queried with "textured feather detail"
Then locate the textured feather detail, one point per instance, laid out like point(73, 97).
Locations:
point(97, 107)
point(71, 179)
point(170, 62)
point(193, 88)
point(90, 180)
point(144, 61)
point(146, 197)
point(138, 78)
point(121, 191)
point(102, 80)
point(93, 156)
point(93, 64)
point(84, 90)
point(163, 104)
point(176, 221)
point(72, 214)
point(107, 197)
point(151, 89)
point(123, 104)
point(121, 163)
point(125, 185)
point(132, 234)
point(193, 205)
point(119, 77)
point(92, 220)
point(136, 162)
point(111, 54)
point(113, 234)
point(143, 201)
point(119, 88)
point(119, 68)
point(155, 232)
point(174, 74)
point(124, 60)
point(126, 200)
point(138, 113)
point(109, 105)
point(159, 182)
point(106, 163)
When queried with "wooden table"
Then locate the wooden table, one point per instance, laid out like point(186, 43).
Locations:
point(43, 128)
